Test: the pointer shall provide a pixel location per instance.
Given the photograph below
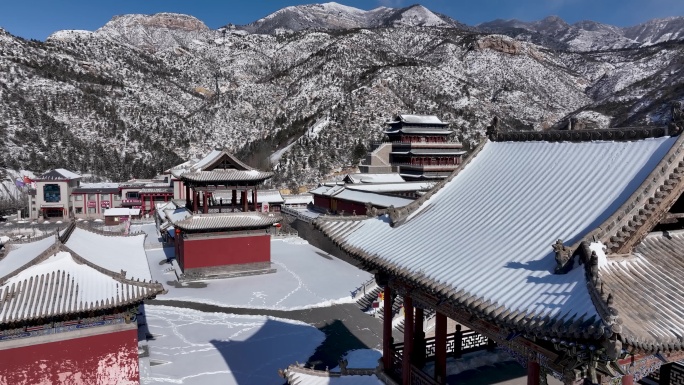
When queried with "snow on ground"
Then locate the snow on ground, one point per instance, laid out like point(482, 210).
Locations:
point(361, 359)
point(192, 347)
point(306, 277)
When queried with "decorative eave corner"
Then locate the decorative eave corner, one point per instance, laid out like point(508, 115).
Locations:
point(647, 206)
point(603, 302)
point(399, 215)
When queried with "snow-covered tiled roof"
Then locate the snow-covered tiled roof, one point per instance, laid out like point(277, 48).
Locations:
point(420, 130)
point(392, 187)
point(656, 268)
point(251, 220)
point(297, 199)
point(58, 174)
point(61, 285)
point(320, 189)
point(177, 214)
point(377, 200)
point(228, 175)
point(484, 238)
point(121, 212)
point(97, 188)
point(374, 178)
point(210, 157)
point(430, 151)
point(420, 119)
point(20, 254)
point(156, 190)
point(111, 252)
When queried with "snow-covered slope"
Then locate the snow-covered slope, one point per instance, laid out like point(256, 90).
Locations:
point(144, 93)
point(333, 16)
point(589, 35)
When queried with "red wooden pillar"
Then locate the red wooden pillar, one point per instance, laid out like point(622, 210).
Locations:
point(195, 198)
point(187, 196)
point(233, 201)
point(418, 339)
point(387, 352)
point(440, 348)
point(533, 373)
point(245, 206)
point(205, 202)
point(254, 199)
point(628, 379)
point(408, 341)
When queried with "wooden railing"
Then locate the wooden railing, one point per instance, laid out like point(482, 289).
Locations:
point(470, 341)
point(457, 344)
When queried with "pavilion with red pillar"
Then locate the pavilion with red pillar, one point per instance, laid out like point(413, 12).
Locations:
point(221, 238)
point(564, 249)
point(219, 171)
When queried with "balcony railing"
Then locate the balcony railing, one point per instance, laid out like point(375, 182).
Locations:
point(450, 144)
point(457, 344)
point(426, 167)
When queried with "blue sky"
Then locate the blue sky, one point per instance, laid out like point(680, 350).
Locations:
point(39, 18)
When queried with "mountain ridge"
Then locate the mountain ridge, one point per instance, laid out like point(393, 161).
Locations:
point(142, 94)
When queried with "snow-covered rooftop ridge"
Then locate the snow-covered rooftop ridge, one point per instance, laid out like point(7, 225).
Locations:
point(68, 174)
point(206, 160)
point(99, 185)
point(538, 192)
point(121, 211)
point(114, 253)
point(378, 200)
point(18, 255)
point(216, 221)
point(375, 178)
point(31, 293)
point(420, 119)
point(59, 173)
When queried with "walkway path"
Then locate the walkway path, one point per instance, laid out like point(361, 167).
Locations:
point(345, 326)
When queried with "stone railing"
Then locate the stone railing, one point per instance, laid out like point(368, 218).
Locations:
point(364, 288)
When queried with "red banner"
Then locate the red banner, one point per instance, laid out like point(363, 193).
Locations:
point(92, 204)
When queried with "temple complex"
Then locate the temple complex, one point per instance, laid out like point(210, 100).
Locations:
point(562, 248)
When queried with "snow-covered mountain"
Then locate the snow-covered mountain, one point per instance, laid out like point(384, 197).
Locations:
point(143, 93)
point(334, 16)
point(588, 35)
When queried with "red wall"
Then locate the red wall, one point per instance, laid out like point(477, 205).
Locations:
point(350, 207)
point(322, 202)
point(103, 359)
point(225, 251)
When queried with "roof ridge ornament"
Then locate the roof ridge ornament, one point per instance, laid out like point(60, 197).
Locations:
point(493, 129)
point(564, 257)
